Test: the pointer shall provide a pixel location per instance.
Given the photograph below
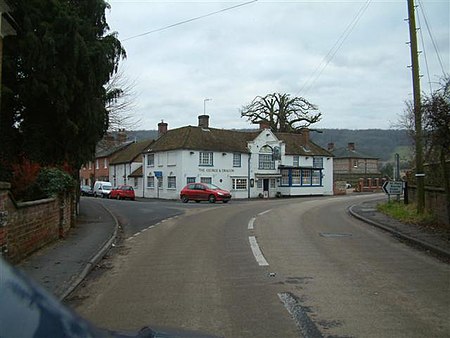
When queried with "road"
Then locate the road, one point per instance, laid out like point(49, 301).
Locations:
point(268, 268)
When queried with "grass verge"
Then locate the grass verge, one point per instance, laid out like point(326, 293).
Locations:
point(406, 213)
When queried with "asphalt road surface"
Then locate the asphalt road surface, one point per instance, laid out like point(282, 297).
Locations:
point(268, 268)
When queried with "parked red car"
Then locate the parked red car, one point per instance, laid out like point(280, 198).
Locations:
point(204, 192)
point(123, 192)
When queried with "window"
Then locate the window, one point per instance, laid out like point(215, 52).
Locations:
point(306, 177)
point(90, 165)
point(318, 162)
point(236, 160)
point(206, 158)
point(136, 180)
point(266, 162)
point(150, 160)
point(160, 182)
point(316, 177)
point(295, 176)
point(259, 184)
point(96, 164)
point(151, 182)
point(296, 161)
point(207, 180)
point(171, 182)
point(285, 177)
point(272, 183)
point(190, 180)
point(239, 183)
point(105, 163)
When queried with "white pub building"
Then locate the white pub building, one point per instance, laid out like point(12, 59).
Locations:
point(249, 164)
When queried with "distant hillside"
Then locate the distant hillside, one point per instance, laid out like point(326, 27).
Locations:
point(372, 142)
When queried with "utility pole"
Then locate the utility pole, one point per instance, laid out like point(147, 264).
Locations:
point(420, 176)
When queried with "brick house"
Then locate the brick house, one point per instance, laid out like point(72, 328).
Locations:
point(354, 167)
point(98, 169)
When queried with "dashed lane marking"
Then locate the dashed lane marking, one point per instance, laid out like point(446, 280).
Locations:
point(257, 252)
point(251, 223)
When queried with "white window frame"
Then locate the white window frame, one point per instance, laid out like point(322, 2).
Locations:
point(266, 162)
point(296, 161)
point(151, 182)
point(317, 162)
point(150, 160)
point(206, 159)
point(237, 160)
point(171, 182)
point(207, 180)
point(239, 183)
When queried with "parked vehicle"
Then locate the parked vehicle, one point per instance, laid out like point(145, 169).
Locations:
point(123, 192)
point(86, 190)
point(204, 192)
point(102, 189)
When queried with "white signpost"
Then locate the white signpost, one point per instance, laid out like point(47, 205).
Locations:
point(393, 188)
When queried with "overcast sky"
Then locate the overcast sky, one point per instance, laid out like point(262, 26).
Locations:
point(350, 58)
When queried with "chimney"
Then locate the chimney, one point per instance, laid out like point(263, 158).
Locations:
point(121, 136)
point(162, 128)
point(330, 146)
point(264, 125)
point(203, 121)
point(305, 135)
point(351, 146)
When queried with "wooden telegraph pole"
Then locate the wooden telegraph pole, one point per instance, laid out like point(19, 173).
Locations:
point(420, 176)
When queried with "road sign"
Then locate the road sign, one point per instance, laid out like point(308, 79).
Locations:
point(393, 187)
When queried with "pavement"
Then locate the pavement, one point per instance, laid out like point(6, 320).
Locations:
point(60, 267)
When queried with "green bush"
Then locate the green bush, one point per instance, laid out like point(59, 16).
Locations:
point(54, 181)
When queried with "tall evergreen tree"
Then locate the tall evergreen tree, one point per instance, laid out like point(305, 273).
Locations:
point(55, 72)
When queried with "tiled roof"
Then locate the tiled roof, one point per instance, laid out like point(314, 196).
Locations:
point(106, 148)
point(211, 139)
point(136, 173)
point(347, 153)
point(198, 138)
point(297, 145)
point(130, 153)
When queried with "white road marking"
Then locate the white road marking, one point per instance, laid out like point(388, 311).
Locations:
point(250, 223)
point(264, 212)
point(257, 251)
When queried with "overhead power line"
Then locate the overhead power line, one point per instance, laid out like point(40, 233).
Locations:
point(422, 9)
point(190, 20)
point(332, 52)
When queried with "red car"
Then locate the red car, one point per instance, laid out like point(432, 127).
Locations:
point(123, 192)
point(204, 192)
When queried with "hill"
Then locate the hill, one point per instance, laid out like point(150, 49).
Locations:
point(379, 143)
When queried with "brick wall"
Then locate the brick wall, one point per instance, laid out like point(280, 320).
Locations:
point(28, 226)
point(435, 201)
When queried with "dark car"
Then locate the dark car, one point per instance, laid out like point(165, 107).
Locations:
point(123, 192)
point(86, 190)
point(204, 192)
point(29, 311)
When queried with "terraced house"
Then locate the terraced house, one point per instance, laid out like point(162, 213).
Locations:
point(249, 164)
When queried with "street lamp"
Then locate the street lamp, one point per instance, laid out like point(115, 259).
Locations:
point(204, 105)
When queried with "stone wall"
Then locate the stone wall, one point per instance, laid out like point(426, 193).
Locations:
point(26, 227)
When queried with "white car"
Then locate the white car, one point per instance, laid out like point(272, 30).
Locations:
point(102, 189)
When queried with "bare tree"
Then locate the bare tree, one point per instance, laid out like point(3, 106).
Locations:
point(281, 112)
point(121, 101)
